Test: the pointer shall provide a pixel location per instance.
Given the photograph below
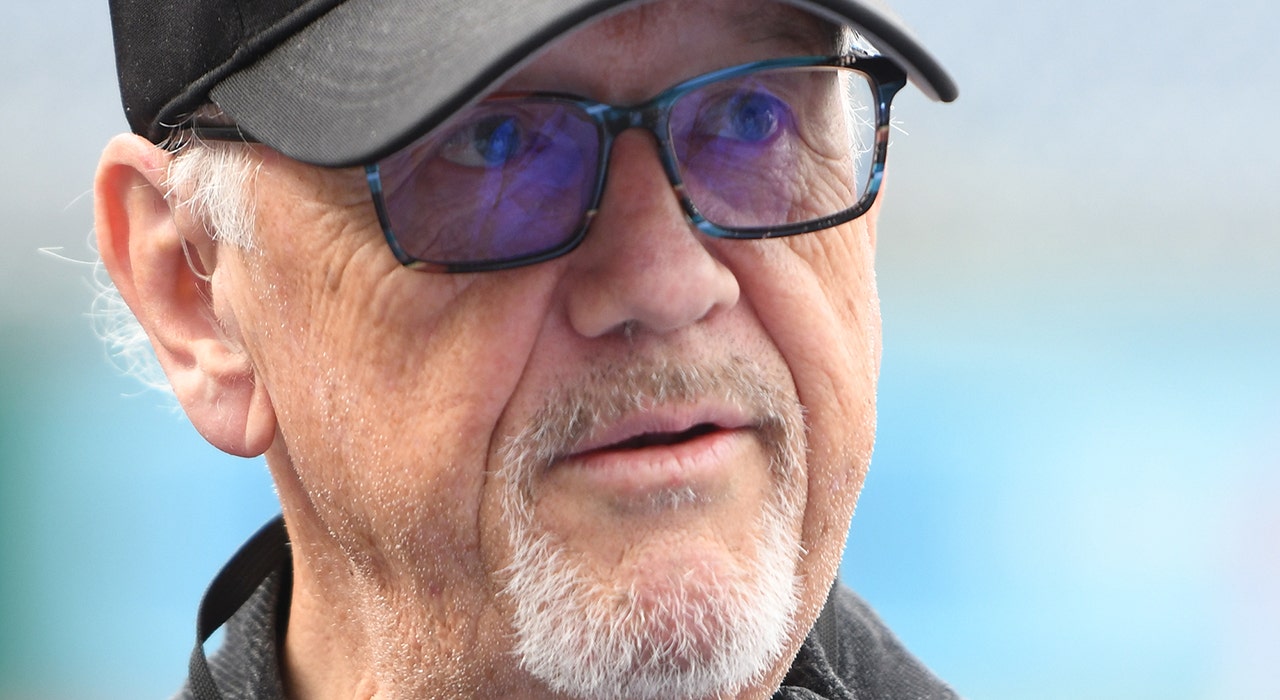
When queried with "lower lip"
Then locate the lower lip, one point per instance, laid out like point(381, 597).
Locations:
point(701, 464)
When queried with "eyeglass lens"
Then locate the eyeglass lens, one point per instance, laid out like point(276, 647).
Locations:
point(514, 178)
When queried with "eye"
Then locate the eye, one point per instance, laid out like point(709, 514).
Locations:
point(489, 141)
point(749, 116)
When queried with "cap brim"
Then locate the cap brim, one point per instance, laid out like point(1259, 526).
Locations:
point(323, 98)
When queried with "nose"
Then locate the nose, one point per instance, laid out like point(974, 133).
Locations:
point(642, 265)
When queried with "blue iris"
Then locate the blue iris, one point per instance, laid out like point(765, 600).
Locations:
point(753, 117)
point(496, 140)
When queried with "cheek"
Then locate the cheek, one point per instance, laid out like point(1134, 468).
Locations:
point(816, 297)
point(387, 384)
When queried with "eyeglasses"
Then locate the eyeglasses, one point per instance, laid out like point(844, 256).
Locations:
point(764, 149)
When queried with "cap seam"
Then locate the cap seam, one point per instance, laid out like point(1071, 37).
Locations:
point(246, 52)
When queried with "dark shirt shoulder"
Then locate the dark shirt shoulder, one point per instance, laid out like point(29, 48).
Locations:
point(851, 655)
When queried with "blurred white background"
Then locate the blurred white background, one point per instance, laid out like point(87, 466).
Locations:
point(1074, 492)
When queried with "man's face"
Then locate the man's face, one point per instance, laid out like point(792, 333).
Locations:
point(629, 456)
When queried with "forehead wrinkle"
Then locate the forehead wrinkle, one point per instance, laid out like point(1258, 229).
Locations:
point(785, 25)
point(640, 40)
point(762, 22)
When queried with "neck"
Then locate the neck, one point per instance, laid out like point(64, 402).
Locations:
point(355, 637)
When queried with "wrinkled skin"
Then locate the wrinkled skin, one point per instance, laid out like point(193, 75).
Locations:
point(382, 396)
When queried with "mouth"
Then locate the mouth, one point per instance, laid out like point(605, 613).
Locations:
point(655, 439)
point(659, 427)
point(698, 449)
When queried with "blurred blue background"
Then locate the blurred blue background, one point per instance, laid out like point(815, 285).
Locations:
point(1074, 491)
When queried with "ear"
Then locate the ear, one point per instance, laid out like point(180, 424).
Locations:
point(141, 238)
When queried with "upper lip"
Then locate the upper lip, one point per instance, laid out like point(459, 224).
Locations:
point(674, 422)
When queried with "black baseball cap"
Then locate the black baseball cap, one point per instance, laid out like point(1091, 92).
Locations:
point(346, 82)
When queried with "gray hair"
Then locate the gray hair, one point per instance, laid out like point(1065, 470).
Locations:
point(211, 180)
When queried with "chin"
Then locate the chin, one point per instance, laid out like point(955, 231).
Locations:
point(676, 626)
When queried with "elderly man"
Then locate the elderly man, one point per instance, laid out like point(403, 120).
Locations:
point(493, 286)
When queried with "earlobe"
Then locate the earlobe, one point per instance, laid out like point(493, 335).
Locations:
point(143, 239)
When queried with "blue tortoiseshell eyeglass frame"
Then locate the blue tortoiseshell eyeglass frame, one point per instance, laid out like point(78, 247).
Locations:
point(885, 77)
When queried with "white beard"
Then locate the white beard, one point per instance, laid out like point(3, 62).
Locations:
point(704, 633)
